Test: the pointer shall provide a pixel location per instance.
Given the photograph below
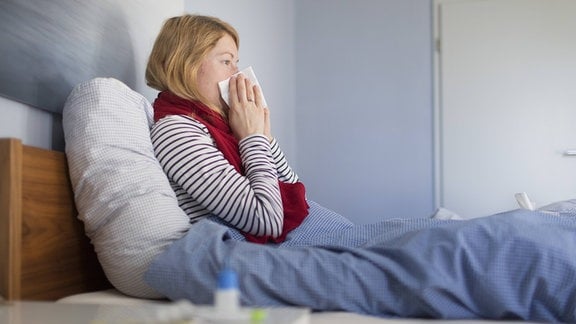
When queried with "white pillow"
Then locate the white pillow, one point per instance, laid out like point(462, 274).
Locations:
point(129, 210)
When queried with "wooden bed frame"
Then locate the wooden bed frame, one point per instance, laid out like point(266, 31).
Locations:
point(44, 253)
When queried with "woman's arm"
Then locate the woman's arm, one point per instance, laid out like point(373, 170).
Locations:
point(285, 172)
point(251, 203)
point(249, 116)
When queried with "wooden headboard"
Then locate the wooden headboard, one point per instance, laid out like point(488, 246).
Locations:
point(44, 253)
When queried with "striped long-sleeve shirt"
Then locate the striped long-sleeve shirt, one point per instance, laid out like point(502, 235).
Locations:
point(205, 182)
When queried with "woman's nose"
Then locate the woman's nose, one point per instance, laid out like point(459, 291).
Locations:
point(235, 68)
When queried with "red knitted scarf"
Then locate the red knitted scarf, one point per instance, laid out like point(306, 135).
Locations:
point(293, 195)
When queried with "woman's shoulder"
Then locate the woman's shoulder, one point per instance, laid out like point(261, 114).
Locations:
point(178, 122)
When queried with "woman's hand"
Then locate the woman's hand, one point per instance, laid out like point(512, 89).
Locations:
point(247, 116)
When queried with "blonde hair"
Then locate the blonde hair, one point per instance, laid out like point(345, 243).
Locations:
point(180, 47)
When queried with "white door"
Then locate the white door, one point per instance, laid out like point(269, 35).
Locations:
point(506, 103)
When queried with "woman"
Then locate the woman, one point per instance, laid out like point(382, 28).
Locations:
point(221, 160)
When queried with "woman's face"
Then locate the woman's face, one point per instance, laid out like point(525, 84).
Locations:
point(220, 63)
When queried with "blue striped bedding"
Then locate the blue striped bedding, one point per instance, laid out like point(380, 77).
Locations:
point(518, 264)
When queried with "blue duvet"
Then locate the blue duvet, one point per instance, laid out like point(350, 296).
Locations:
point(518, 264)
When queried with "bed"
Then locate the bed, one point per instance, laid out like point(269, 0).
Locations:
point(44, 253)
point(100, 224)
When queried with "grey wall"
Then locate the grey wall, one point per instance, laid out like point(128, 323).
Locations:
point(32, 126)
point(64, 43)
point(364, 106)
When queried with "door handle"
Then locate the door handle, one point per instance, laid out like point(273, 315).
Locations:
point(570, 153)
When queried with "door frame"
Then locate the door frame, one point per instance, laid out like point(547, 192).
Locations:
point(438, 194)
point(437, 98)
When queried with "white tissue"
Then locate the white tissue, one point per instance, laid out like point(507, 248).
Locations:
point(248, 73)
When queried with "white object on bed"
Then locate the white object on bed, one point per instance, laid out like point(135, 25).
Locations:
point(524, 201)
point(443, 213)
point(129, 210)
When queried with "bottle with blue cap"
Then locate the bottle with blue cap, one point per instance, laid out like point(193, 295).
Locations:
point(226, 297)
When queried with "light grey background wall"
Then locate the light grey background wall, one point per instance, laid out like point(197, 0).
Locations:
point(364, 106)
point(32, 126)
point(349, 84)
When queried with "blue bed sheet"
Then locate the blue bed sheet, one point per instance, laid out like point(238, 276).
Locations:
point(518, 264)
